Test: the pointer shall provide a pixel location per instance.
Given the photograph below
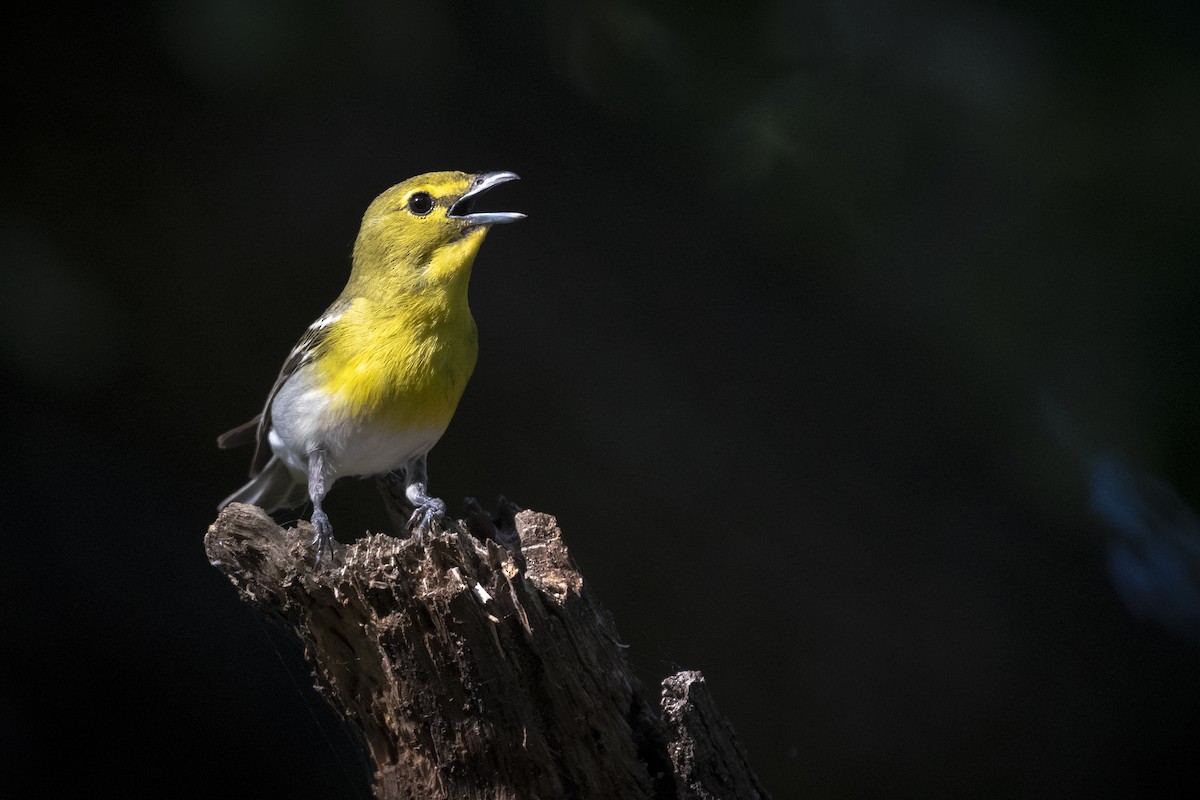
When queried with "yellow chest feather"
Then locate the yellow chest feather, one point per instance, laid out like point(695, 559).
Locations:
point(404, 367)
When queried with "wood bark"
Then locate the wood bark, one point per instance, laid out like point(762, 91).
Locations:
point(477, 664)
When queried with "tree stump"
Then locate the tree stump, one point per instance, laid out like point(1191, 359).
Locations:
point(477, 665)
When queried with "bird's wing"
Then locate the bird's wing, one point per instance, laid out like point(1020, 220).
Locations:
point(257, 429)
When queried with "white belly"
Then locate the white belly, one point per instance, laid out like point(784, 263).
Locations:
point(300, 425)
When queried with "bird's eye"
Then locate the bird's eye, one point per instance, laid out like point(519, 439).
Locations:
point(420, 203)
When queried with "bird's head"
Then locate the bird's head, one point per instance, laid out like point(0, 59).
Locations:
point(426, 230)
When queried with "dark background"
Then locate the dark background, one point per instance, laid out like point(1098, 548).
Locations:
point(853, 345)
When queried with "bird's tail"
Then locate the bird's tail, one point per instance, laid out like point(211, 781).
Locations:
point(273, 488)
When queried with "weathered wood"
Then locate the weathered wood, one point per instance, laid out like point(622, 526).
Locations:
point(477, 665)
point(710, 762)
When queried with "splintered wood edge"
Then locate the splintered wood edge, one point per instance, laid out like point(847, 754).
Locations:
point(702, 743)
point(250, 547)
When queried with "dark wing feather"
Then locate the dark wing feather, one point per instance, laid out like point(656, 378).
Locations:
point(256, 430)
point(301, 354)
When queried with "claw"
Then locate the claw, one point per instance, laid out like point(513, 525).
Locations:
point(425, 517)
point(323, 537)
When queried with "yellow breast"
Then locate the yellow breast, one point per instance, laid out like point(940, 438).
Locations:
point(403, 366)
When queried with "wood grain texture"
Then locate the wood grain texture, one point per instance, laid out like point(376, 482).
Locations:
point(477, 664)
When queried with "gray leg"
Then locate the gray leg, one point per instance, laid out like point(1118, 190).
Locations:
point(428, 510)
point(318, 485)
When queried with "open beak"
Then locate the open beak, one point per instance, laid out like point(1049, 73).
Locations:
point(484, 181)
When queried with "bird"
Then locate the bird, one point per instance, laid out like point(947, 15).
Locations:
point(373, 383)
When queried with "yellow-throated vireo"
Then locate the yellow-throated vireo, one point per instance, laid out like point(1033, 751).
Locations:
point(373, 383)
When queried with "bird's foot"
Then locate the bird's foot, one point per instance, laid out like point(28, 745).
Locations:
point(323, 534)
point(425, 517)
